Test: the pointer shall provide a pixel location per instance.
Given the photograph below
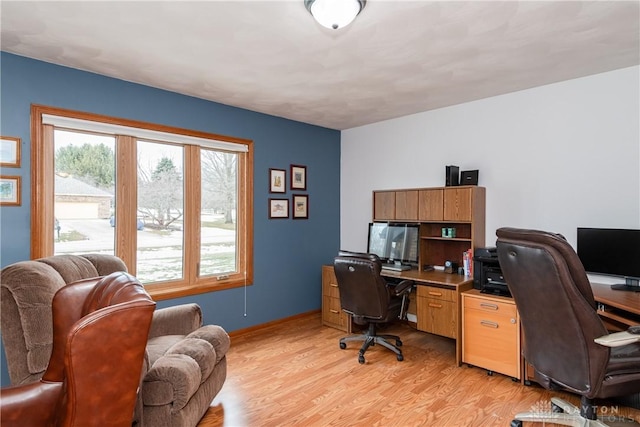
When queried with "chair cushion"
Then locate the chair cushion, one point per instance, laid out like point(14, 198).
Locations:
point(200, 351)
point(71, 267)
point(173, 379)
point(216, 336)
point(32, 285)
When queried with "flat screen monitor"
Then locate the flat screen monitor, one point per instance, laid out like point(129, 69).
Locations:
point(613, 252)
point(394, 242)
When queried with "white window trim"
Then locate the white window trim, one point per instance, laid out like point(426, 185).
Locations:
point(148, 134)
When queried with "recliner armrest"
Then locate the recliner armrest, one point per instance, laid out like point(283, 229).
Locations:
point(177, 320)
point(617, 339)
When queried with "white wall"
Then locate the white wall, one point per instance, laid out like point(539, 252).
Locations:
point(554, 157)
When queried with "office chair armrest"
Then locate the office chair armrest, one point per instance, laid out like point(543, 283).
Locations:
point(617, 339)
point(403, 287)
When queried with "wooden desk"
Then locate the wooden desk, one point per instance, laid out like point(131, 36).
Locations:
point(438, 302)
point(618, 309)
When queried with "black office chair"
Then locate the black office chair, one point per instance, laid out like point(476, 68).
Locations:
point(370, 301)
point(564, 338)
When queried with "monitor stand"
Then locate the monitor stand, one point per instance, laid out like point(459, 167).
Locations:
point(631, 285)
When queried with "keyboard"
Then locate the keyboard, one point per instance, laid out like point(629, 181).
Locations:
point(395, 267)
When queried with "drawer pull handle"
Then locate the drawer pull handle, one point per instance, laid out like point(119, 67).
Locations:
point(489, 306)
point(437, 294)
point(334, 311)
point(333, 285)
point(435, 305)
point(489, 324)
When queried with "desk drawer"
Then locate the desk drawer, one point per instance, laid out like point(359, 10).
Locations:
point(436, 293)
point(491, 342)
point(332, 313)
point(330, 289)
point(489, 306)
point(437, 316)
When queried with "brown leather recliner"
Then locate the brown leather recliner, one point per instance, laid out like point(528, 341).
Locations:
point(560, 324)
point(370, 301)
point(100, 329)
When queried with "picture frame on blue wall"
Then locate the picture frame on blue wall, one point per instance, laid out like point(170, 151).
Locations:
point(278, 208)
point(298, 177)
point(300, 206)
point(10, 152)
point(10, 190)
point(277, 180)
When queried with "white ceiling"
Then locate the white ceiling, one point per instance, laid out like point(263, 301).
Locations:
point(397, 58)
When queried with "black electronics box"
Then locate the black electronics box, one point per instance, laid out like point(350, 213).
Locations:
point(452, 176)
point(487, 274)
point(469, 177)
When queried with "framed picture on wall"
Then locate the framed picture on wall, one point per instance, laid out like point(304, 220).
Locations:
point(300, 206)
point(277, 179)
point(298, 177)
point(10, 190)
point(9, 152)
point(278, 208)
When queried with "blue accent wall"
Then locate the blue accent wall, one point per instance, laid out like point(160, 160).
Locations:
point(288, 254)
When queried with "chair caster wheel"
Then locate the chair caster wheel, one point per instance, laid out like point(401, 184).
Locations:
point(343, 345)
point(400, 358)
point(361, 359)
point(398, 343)
point(516, 423)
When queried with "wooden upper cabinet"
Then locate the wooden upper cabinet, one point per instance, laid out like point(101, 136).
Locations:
point(407, 205)
point(394, 205)
point(430, 205)
point(384, 205)
point(458, 204)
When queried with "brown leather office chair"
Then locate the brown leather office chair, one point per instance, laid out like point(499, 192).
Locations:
point(560, 323)
point(100, 329)
point(370, 301)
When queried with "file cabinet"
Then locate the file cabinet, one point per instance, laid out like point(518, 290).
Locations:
point(491, 333)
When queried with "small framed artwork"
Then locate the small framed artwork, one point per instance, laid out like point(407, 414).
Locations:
point(298, 177)
point(10, 190)
point(300, 206)
point(277, 178)
point(10, 152)
point(278, 208)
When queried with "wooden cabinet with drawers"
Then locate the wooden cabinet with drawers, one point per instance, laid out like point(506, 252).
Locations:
point(491, 333)
point(332, 314)
point(437, 311)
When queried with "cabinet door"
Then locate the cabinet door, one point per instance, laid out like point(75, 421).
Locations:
point(430, 205)
point(457, 204)
point(384, 205)
point(407, 205)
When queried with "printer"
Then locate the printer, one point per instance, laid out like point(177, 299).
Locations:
point(487, 274)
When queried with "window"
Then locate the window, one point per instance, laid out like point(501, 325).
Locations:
point(174, 204)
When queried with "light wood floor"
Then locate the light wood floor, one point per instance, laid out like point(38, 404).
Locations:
point(294, 374)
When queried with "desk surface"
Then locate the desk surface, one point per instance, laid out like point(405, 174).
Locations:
point(624, 300)
point(434, 277)
point(621, 308)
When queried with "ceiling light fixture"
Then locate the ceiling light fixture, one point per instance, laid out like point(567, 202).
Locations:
point(334, 14)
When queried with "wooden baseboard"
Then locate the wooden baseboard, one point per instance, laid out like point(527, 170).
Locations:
point(262, 326)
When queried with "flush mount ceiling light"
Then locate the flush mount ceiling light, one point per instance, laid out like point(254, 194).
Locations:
point(334, 14)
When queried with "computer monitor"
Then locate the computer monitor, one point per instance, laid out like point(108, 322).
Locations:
point(613, 252)
point(394, 242)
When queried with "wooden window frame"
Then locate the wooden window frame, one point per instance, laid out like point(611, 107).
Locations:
point(42, 202)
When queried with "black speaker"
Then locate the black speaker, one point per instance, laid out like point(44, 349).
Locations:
point(469, 177)
point(452, 175)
